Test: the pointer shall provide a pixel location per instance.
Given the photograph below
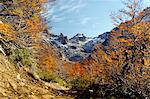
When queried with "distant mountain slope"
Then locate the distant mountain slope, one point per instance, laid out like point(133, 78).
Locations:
point(147, 14)
point(76, 48)
point(79, 46)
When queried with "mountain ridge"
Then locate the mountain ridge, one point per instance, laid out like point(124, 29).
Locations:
point(76, 48)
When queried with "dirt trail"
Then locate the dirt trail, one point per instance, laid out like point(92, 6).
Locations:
point(18, 84)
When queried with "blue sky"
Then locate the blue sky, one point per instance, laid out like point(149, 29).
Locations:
point(91, 17)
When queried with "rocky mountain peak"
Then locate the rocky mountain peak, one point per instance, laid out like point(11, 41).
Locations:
point(79, 37)
point(78, 47)
point(62, 39)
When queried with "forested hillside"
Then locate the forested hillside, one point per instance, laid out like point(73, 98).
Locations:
point(33, 65)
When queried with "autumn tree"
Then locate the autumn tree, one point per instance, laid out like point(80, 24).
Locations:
point(129, 48)
point(123, 59)
point(23, 27)
point(48, 57)
point(25, 19)
point(133, 8)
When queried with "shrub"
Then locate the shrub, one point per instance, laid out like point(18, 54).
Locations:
point(45, 75)
point(50, 76)
point(60, 81)
point(21, 57)
point(79, 83)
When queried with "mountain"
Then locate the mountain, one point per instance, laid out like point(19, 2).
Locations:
point(146, 12)
point(89, 46)
point(79, 47)
point(76, 48)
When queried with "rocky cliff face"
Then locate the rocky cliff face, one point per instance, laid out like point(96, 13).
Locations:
point(76, 48)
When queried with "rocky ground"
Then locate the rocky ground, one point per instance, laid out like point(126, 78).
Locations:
point(19, 84)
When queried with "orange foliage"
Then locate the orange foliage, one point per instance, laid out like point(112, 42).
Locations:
point(34, 27)
point(48, 59)
point(25, 20)
point(77, 70)
point(6, 29)
point(125, 55)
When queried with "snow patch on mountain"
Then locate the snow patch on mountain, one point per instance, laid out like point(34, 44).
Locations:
point(76, 48)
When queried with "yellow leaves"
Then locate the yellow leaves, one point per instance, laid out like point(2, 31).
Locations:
point(107, 58)
point(77, 70)
point(122, 40)
point(127, 42)
point(18, 12)
point(104, 55)
point(43, 1)
point(141, 14)
point(34, 3)
point(122, 26)
point(147, 62)
point(113, 31)
point(47, 57)
point(47, 61)
point(28, 13)
point(34, 26)
point(6, 29)
point(34, 23)
point(140, 29)
point(36, 46)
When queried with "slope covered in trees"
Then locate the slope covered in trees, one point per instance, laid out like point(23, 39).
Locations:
point(122, 62)
point(118, 68)
point(22, 29)
point(22, 43)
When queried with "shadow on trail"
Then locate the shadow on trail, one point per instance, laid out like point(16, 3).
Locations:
point(97, 91)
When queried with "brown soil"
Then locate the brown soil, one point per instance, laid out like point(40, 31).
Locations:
point(19, 84)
